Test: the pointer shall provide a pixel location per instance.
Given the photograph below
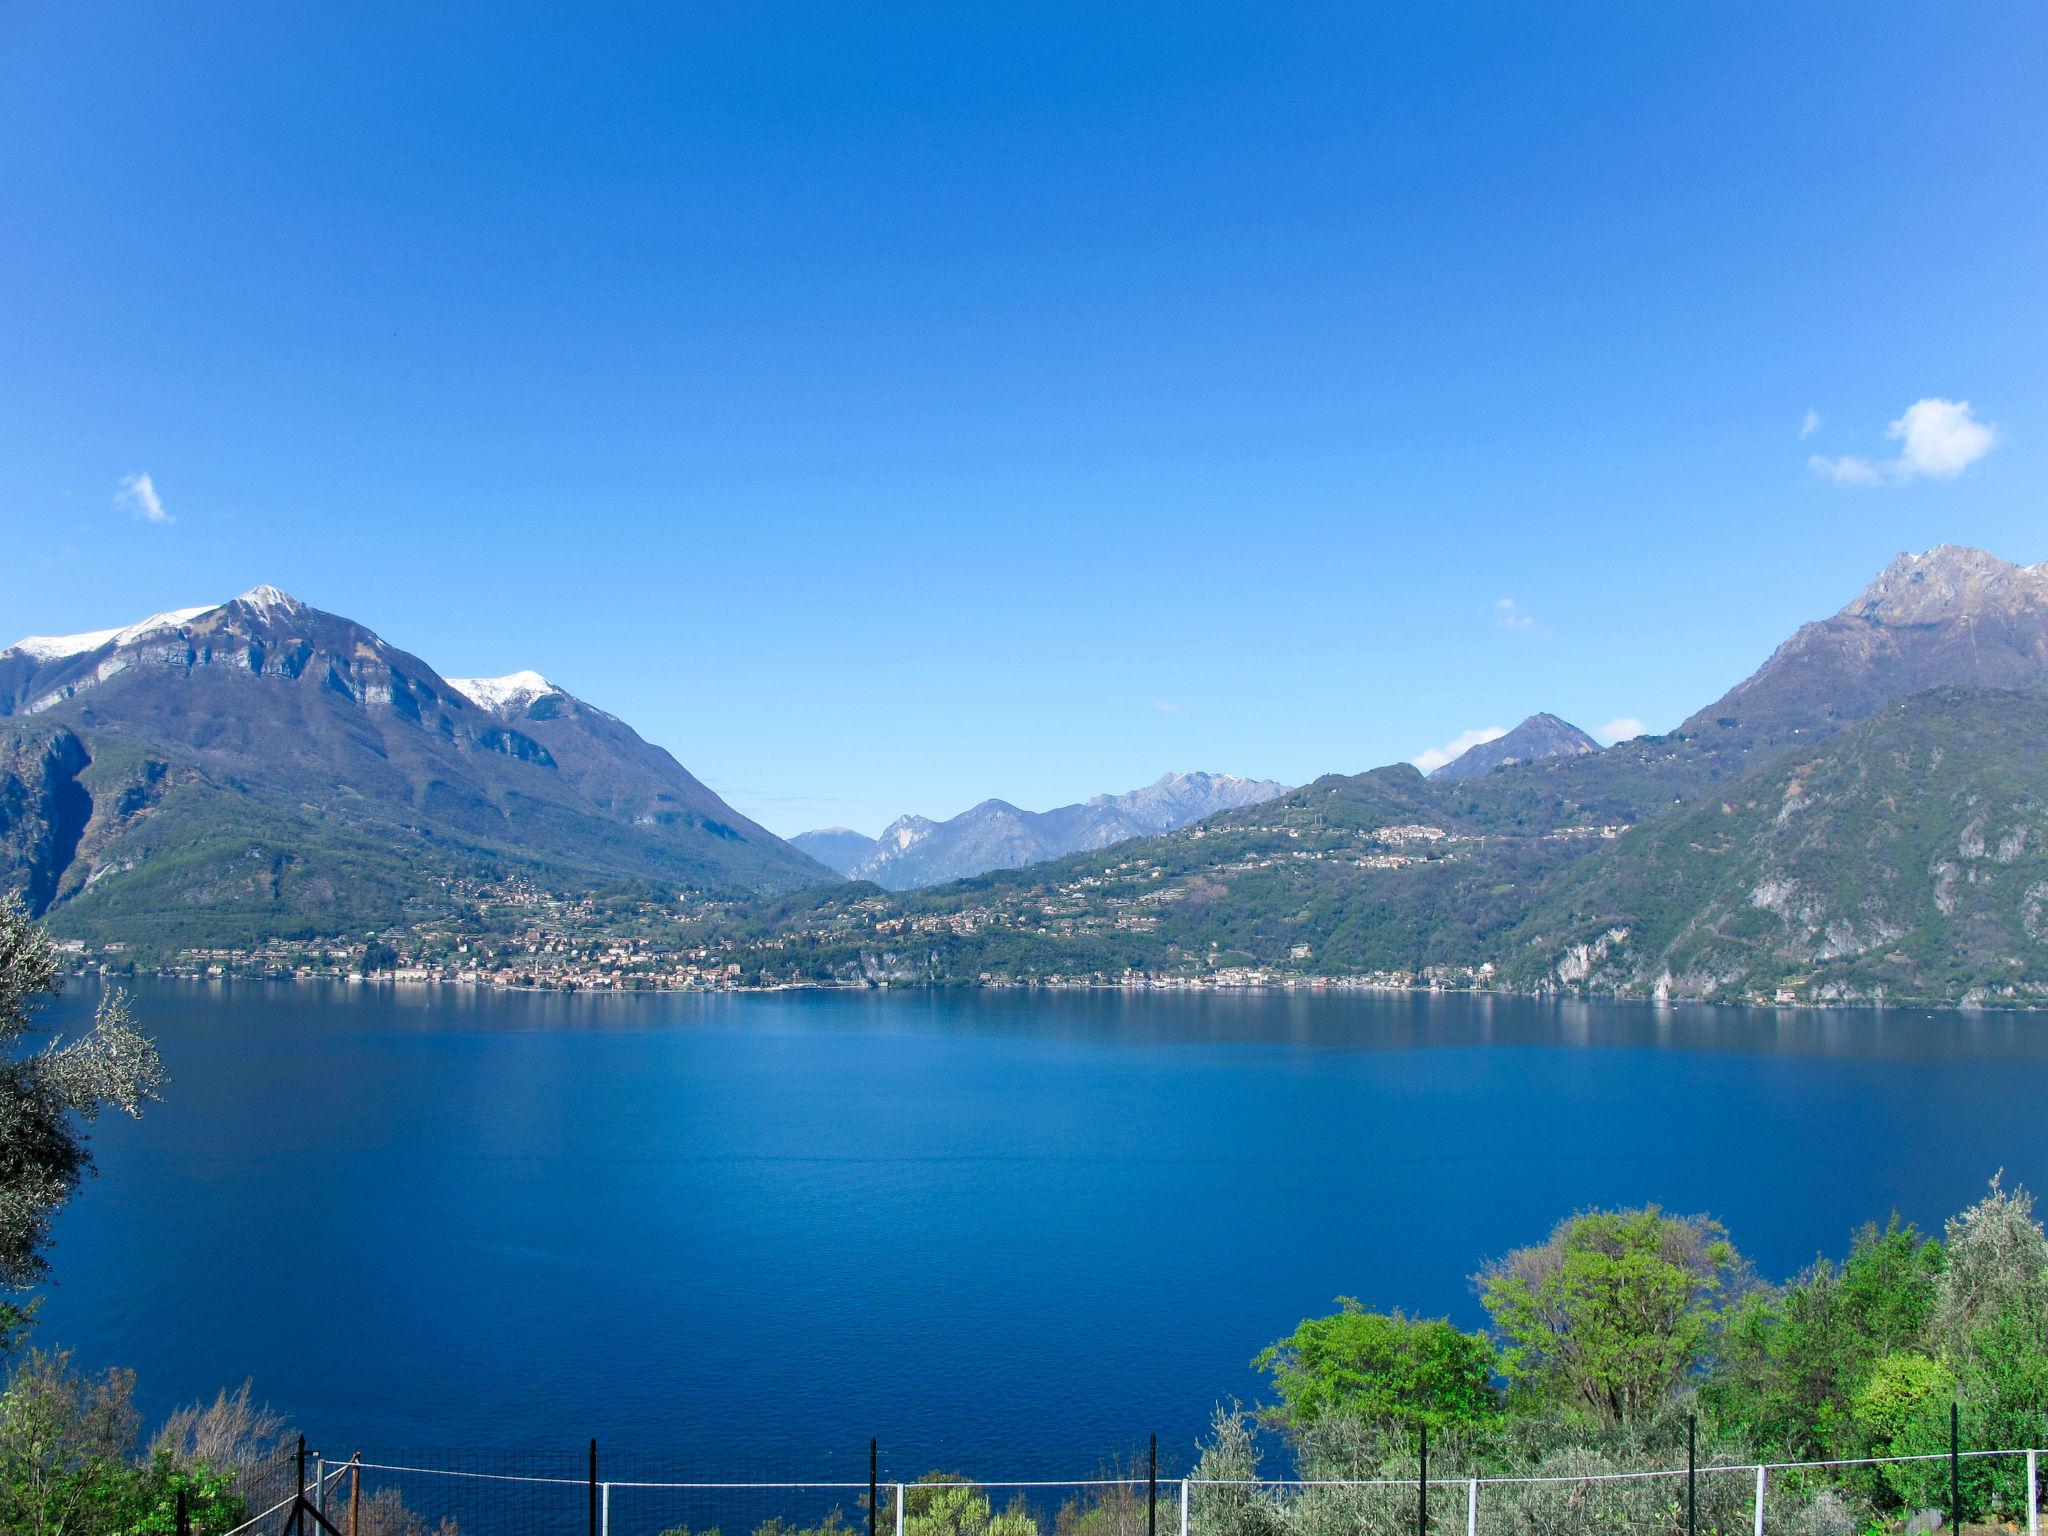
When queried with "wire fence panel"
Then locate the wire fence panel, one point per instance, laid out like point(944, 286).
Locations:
point(469, 1492)
point(481, 1493)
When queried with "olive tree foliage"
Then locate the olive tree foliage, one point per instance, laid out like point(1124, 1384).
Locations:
point(1613, 1315)
point(947, 1504)
point(1997, 1267)
point(46, 1094)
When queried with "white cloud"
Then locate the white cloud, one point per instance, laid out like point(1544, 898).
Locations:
point(1435, 757)
point(138, 495)
point(1809, 426)
point(1620, 728)
point(1166, 706)
point(1938, 439)
point(1511, 615)
point(1942, 437)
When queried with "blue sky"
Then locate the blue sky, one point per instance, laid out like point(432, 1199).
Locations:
point(888, 407)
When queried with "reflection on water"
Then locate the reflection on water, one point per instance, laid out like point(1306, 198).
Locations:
point(1320, 1020)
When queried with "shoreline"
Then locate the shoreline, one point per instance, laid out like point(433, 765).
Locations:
point(1317, 986)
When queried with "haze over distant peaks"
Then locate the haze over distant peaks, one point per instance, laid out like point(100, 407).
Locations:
point(916, 851)
point(1536, 738)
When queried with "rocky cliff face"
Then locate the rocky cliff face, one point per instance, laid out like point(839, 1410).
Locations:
point(1906, 858)
point(43, 809)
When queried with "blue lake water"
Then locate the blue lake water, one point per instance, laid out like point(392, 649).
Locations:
point(995, 1230)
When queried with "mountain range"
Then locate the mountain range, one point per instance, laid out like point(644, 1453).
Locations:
point(261, 767)
point(1863, 819)
point(913, 851)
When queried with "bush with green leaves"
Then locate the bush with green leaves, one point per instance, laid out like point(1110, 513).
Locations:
point(1625, 1328)
point(1383, 1368)
point(1613, 1315)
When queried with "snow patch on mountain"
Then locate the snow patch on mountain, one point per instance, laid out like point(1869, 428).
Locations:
point(55, 647)
point(268, 600)
point(504, 695)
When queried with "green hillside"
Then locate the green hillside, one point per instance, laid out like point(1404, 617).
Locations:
point(1902, 860)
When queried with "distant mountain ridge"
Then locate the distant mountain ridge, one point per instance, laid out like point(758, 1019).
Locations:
point(264, 765)
point(1536, 738)
point(1864, 819)
point(914, 851)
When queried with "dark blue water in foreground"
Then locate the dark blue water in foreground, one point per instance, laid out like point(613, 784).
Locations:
point(994, 1230)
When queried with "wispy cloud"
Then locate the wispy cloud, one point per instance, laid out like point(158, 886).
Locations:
point(1620, 728)
point(1846, 469)
point(1166, 706)
point(1511, 615)
point(1938, 439)
point(1435, 757)
point(137, 495)
point(1809, 426)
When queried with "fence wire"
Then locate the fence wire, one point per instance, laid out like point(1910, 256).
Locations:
point(481, 1493)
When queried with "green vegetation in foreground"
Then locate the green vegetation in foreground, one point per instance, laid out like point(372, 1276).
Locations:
point(1607, 1336)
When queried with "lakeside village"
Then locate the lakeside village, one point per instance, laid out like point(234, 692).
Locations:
point(508, 933)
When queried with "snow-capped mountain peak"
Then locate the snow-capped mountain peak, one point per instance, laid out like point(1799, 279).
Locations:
point(268, 600)
point(502, 695)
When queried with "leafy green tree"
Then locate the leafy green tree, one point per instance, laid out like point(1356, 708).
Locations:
point(65, 1440)
point(1383, 1368)
point(212, 1500)
point(1613, 1315)
point(1903, 1410)
point(46, 1094)
point(1791, 1361)
point(2002, 1382)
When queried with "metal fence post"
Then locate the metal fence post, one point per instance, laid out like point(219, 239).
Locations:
point(899, 1509)
point(184, 1526)
point(320, 1486)
point(604, 1509)
point(1692, 1474)
point(1183, 1507)
point(874, 1481)
point(1422, 1487)
point(593, 1485)
point(1472, 1507)
point(298, 1520)
point(355, 1494)
point(1955, 1467)
point(1759, 1501)
point(2033, 1493)
point(1152, 1489)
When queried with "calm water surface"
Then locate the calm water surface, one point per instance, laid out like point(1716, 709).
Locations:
point(992, 1229)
